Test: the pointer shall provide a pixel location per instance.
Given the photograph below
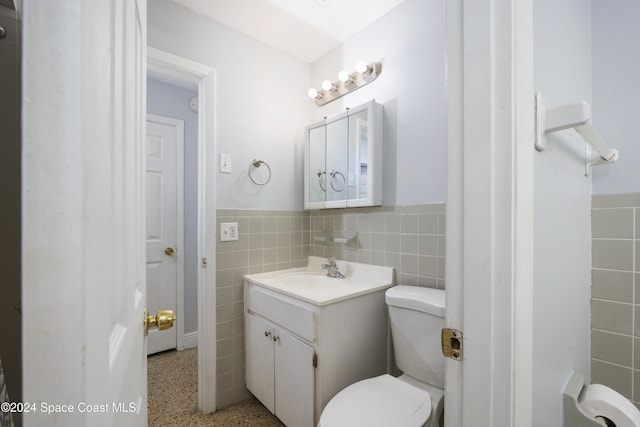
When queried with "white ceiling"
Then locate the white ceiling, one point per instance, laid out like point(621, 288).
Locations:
point(306, 29)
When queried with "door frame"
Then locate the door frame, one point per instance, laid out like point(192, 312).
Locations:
point(490, 128)
point(185, 70)
point(178, 327)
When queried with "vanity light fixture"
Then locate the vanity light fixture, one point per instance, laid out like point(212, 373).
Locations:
point(362, 67)
point(327, 86)
point(364, 74)
point(345, 77)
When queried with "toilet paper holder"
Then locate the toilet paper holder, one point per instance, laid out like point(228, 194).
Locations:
point(574, 414)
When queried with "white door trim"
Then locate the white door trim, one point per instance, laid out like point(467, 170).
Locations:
point(455, 202)
point(185, 70)
point(180, 250)
point(490, 211)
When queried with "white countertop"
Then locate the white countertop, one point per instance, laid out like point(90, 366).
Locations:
point(312, 285)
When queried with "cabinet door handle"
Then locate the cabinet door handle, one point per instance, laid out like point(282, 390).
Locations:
point(267, 333)
point(276, 338)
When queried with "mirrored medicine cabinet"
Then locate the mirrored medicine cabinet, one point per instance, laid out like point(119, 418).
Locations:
point(343, 159)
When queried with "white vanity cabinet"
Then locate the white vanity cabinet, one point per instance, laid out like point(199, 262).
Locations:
point(280, 371)
point(343, 159)
point(299, 354)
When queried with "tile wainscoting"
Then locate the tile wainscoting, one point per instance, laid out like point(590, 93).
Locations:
point(267, 241)
point(409, 238)
point(615, 293)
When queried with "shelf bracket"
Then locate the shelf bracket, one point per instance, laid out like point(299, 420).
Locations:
point(577, 116)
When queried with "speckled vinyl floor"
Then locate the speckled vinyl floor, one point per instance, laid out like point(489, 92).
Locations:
point(173, 396)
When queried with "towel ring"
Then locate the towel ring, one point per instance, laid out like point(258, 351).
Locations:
point(256, 164)
point(333, 174)
point(320, 180)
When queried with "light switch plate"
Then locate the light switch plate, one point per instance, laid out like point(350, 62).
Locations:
point(228, 231)
point(225, 163)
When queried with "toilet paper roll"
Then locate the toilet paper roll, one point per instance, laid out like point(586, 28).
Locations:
point(608, 406)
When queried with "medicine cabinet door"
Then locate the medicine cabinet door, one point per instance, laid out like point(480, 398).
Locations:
point(336, 172)
point(315, 172)
point(364, 177)
point(358, 176)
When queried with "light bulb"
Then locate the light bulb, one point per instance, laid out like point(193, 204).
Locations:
point(327, 85)
point(313, 93)
point(361, 67)
point(343, 76)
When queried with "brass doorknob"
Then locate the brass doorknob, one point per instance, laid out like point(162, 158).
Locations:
point(162, 320)
point(168, 251)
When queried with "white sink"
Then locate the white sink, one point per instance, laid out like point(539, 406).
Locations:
point(311, 283)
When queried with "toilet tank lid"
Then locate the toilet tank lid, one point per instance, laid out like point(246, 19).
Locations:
point(426, 300)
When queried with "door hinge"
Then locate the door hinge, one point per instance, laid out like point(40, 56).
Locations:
point(315, 360)
point(452, 343)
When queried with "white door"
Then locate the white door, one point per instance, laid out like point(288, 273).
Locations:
point(84, 288)
point(164, 150)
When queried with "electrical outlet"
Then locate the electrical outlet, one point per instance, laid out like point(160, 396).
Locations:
point(225, 163)
point(228, 231)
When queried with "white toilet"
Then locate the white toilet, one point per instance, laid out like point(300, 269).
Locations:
point(416, 398)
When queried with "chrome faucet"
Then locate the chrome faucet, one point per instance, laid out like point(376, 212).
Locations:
point(332, 269)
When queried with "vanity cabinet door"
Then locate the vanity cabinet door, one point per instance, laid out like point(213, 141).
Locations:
point(260, 360)
point(295, 380)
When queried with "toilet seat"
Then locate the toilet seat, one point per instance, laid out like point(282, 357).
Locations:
point(378, 402)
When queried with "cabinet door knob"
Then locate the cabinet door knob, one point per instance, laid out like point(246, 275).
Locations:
point(267, 333)
point(276, 338)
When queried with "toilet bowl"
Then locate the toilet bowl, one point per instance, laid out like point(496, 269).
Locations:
point(416, 398)
point(382, 402)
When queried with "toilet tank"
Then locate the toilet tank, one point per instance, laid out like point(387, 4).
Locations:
point(416, 316)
